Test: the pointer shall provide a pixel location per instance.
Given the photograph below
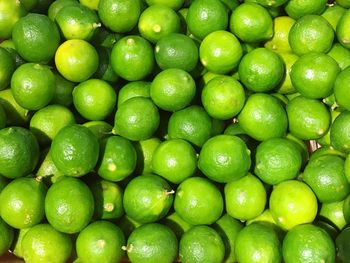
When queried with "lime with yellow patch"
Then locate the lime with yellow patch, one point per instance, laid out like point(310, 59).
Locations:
point(279, 41)
point(11, 11)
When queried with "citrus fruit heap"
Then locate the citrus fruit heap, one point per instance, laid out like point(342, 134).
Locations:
point(169, 130)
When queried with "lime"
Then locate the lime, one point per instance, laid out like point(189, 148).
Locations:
point(145, 150)
point(341, 89)
point(224, 158)
point(292, 203)
point(15, 114)
point(133, 89)
point(175, 50)
point(342, 30)
point(347, 167)
point(147, 198)
point(43, 243)
point(158, 21)
point(313, 75)
point(136, 119)
point(341, 243)
point(118, 158)
point(69, 205)
point(201, 244)
point(63, 92)
point(76, 60)
point(258, 242)
point(172, 89)
point(33, 85)
point(308, 118)
point(261, 70)
point(152, 243)
point(339, 134)
point(10, 12)
point(333, 212)
point(127, 225)
point(19, 152)
point(119, 15)
point(311, 33)
point(36, 38)
point(22, 202)
point(48, 121)
point(57, 5)
point(100, 129)
point(263, 117)
point(176, 224)
point(105, 71)
point(277, 160)
point(206, 16)
point(132, 58)
point(297, 9)
point(47, 170)
point(94, 99)
point(6, 237)
point(75, 150)
point(108, 199)
point(174, 4)
point(192, 200)
point(251, 23)
point(286, 86)
point(223, 97)
point(77, 22)
point(333, 13)
point(92, 4)
point(101, 241)
point(279, 41)
point(308, 243)
point(10, 47)
point(16, 247)
point(220, 52)
point(228, 228)
point(245, 198)
point(7, 67)
point(192, 124)
point(341, 55)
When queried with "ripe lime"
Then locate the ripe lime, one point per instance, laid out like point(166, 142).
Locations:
point(279, 41)
point(100, 129)
point(333, 13)
point(176, 224)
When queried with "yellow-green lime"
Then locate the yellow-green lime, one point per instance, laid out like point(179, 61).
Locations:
point(333, 13)
point(100, 129)
point(339, 134)
point(342, 88)
point(10, 12)
point(279, 41)
point(92, 4)
point(286, 86)
point(342, 30)
point(133, 89)
point(174, 4)
point(340, 54)
point(118, 159)
point(333, 212)
point(297, 9)
point(47, 170)
point(145, 150)
point(15, 114)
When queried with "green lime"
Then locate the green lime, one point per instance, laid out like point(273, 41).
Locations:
point(201, 244)
point(22, 202)
point(147, 198)
point(77, 22)
point(228, 228)
point(223, 97)
point(258, 242)
point(94, 99)
point(7, 67)
point(100, 129)
point(341, 55)
point(119, 15)
point(48, 121)
point(16, 247)
point(326, 150)
point(311, 33)
point(47, 170)
point(308, 118)
point(15, 114)
point(172, 89)
point(105, 71)
point(333, 212)
point(33, 85)
point(326, 177)
point(292, 203)
point(297, 9)
point(75, 150)
point(132, 58)
point(10, 47)
point(245, 198)
point(57, 5)
point(133, 89)
point(118, 159)
point(63, 92)
point(176, 224)
point(100, 241)
point(10, 12)
point(341, 89)
point(174, 4)
point(279, 41)
point(224, 158)
point(342, 30)
point(108, 199)
point(36, 38)
point(6, 237)
point(339, 134)
point(43, 243)
point(69, 205)
point(175, 160)
point(198, 201)
point(263, 117)
point(251, 23)
point(341, 243)
point(277, 160)
point(261, 70)
point(308, 243)
point(175, 50)
point(313, 75)
point(145, 150)
point(333, 13)
point(286, 86)
point(192, 124)
point(220, 52)
point(19, 152)
point(205, 17)
point(152, 243)
point(158, 21)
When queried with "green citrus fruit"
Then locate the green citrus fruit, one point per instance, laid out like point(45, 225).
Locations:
point(133, 89)
point(57, 5)
point(174, 4)
point(297, 9)
point(333, 13)
point(340, 54)
point(15, 114)
point(10, 12)
point(279, 41)
point(7, 67)
point(100, 129)
point(6, 237)
point(176, 224)
point(333, 213)
point(105, 71)
point(339, 134)
point(63, 92)
point(145, 150)
point(342, 30)
point(341, 243)
point(341, 89)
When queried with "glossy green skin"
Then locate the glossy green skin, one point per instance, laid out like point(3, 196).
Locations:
point(340, 136)
point(6, 236)
point(9, 16)
point(333, 13)
point(333, 213)
point(308, 243)
point(19, 152)
point(297, 8)
point(30, 194)
point(342, 242)
point(57, 5)
point(133, 89)
point(341, 89)
point(342, 31)
point(7, 66)
point(201, 244)
point(151, 243)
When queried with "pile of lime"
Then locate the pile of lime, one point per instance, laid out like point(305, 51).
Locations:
point(175, 130)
